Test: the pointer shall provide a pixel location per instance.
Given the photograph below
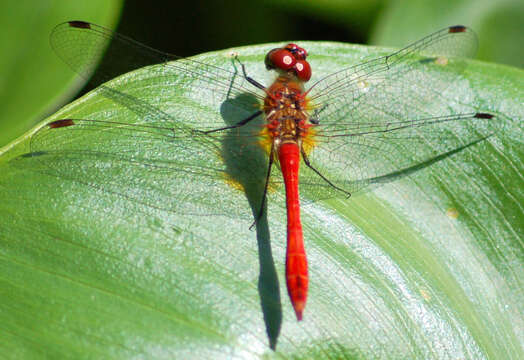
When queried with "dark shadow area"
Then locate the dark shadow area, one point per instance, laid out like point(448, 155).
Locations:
point(188, 28)
point(249, 169)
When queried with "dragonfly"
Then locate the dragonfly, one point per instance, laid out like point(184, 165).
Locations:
point(360, 126)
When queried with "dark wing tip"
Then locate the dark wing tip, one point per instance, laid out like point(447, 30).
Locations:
point(61, 123)
point(484, 116)
point(79, 24)
point(457, 29)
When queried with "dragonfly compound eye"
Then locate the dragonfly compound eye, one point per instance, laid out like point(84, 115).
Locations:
point(298, 52)
point(280, 59)
point(303, 70)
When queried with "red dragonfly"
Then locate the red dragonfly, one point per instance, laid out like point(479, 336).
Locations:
point(361, 125)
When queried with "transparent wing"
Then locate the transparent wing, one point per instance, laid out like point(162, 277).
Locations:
point(381, 118)
point(152, 150)
point(170, 168)
point(81, 44)
point(376, 121)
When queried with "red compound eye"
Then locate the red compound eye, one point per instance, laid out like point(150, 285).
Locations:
point(281, 59)
point(303, 70)
point(298, 52)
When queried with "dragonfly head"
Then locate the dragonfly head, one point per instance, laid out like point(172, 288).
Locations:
point(290, 59)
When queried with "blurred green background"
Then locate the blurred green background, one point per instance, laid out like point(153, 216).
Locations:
point(34, 83)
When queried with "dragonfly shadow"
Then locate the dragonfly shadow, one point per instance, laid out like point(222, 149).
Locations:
point(246, 165)
point(405, 172)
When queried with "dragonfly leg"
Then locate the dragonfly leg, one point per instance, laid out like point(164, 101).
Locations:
point(238, 124)
point(266, 186)
point(306, 161)
point(316, 114)
point(249, 78)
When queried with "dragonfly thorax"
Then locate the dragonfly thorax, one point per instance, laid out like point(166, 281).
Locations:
point(284, 106)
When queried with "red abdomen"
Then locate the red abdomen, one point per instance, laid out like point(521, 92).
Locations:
point(296, 262)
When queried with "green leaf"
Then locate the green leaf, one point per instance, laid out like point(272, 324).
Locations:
point(429, 266)
point(34, 80)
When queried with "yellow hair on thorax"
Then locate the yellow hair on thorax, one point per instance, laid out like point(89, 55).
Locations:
point(308, 140)
point(265, 140)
